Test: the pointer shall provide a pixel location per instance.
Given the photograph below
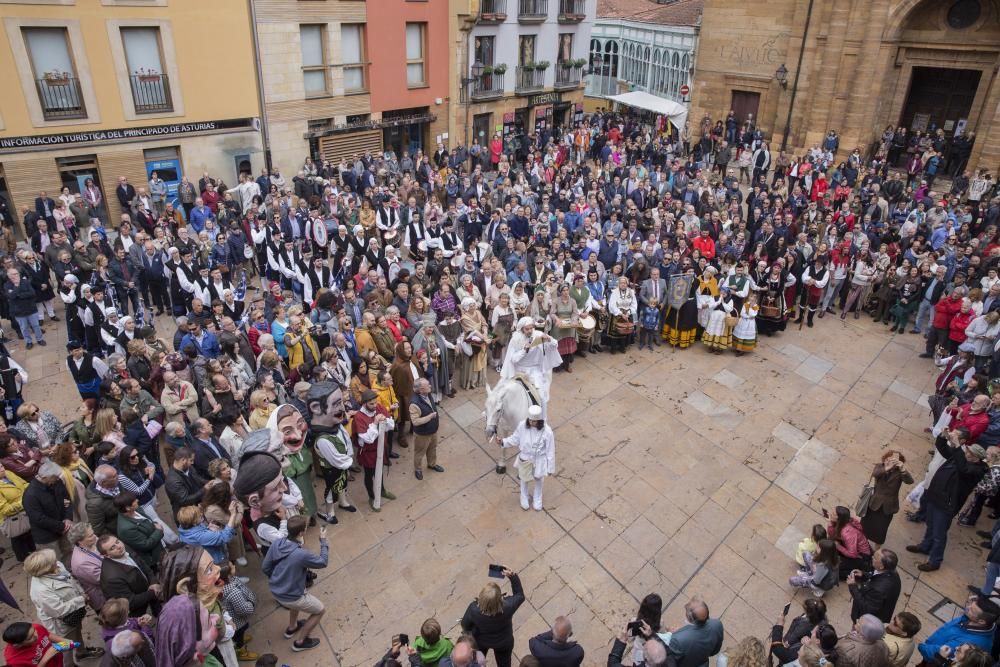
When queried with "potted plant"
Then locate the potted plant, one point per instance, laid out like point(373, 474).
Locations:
point(500, 69)
point(579, 62)
point(542, 65)
point(56, 78)
point(147, 75)
point(528, 67)
point(566, 64)
point(487, 70)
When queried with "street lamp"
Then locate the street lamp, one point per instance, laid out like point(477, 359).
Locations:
point(781, 75)
point(469, 83)
point(596, 68)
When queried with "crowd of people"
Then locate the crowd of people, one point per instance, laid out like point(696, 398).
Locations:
point(322, 321)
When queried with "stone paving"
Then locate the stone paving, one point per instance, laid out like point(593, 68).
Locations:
point(679, 472)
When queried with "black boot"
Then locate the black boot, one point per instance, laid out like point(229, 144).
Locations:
point(809, 320)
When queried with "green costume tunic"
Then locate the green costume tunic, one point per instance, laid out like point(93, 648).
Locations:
point(300, 470)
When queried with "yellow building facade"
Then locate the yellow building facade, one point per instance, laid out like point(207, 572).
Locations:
point(101, 89)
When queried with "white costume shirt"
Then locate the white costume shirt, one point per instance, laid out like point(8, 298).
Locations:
point(536, 445)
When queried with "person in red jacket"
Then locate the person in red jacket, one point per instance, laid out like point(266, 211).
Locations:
point(944, 310)
point(973, 417)
point(705, 244)
point(365, 427)
point(958, 324)
point(819, 187)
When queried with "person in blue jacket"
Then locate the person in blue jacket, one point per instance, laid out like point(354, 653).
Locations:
point(194, 530)
point(976, 626)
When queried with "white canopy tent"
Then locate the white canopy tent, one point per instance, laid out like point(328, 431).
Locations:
point(675, 112)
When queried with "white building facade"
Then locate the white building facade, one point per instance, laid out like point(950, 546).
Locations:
point(636, 55)
point(535, 57)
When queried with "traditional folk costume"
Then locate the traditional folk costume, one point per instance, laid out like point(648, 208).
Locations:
point(739, 288)
point(534, 360)
point(718, 334)
point(814, 280)
point(565, 318)
point(745, 332)
point(298, 467)
point(471, 357)
point(680, 325)
point(708, 291)
point(624, 310)
point(773, 308)
point(335, 456)
point(366, 442)
point(536, 458)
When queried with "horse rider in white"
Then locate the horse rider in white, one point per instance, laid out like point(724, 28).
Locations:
point(535, 360)
point(537, 456)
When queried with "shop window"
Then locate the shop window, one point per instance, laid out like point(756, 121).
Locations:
point(416, 74)
point(352, 46)
point(149, 83)
point(56, 82)
point(313, 41)
point(76, 171)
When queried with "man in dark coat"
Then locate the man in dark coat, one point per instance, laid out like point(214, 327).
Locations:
point(876, 592)
point(948, 490)
point(49, 511)
point(123, 576)
point(101, 501)
point(555, 648)
point(184, 485)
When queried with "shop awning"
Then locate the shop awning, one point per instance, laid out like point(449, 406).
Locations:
point(676, 112)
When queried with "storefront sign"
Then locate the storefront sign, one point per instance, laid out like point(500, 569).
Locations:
point(125, 133)
point(544, 98)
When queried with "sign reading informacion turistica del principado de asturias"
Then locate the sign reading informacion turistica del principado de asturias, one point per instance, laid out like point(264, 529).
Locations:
point(42, 141)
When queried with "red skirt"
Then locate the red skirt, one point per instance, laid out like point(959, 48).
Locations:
point(567, 346)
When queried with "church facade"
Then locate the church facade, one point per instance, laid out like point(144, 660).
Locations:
point(924, 64)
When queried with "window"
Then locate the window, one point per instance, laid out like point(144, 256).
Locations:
point(313, 38)
point(565, 47)
point(352, 48)
point(150, 87)
point(54, 72)
point(484, 50)
point(526, 49)
point(415, 35)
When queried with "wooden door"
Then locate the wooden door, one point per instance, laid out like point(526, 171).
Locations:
point(745, 103)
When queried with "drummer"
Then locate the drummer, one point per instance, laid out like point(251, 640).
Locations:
point(598, 305)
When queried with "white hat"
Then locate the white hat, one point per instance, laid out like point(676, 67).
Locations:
point(535, 412)
point(523, 322)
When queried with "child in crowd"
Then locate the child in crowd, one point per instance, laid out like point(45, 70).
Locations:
point(240, 602)
point(114, 618)
point(430, 645)
point(807, 547)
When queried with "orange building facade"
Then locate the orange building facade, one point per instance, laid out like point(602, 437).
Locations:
point(408, 53)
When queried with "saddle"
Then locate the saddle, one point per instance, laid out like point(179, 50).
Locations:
point(523, 380)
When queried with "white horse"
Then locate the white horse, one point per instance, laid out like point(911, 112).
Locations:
point(507, 406)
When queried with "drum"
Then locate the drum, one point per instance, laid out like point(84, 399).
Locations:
point(422, 246)
point(391, 237)
point(585, 330)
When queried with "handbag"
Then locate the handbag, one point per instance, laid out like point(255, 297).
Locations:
point(865, 499)
point(74, 618)
point(16, 525)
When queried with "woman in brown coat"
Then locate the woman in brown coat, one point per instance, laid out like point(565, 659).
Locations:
point(889, 476)
point(402, 381)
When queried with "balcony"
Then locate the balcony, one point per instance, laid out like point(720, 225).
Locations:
point(568, 76)
point(492, 11)
point(151, 93)
point(532, 11)
point(572, 11)
point(61, 97)
point(488, 87)
point(528, 81)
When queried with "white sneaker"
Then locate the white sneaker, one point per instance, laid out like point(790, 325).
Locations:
point(242, 562)
point(537, 508)
point(524, 503)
